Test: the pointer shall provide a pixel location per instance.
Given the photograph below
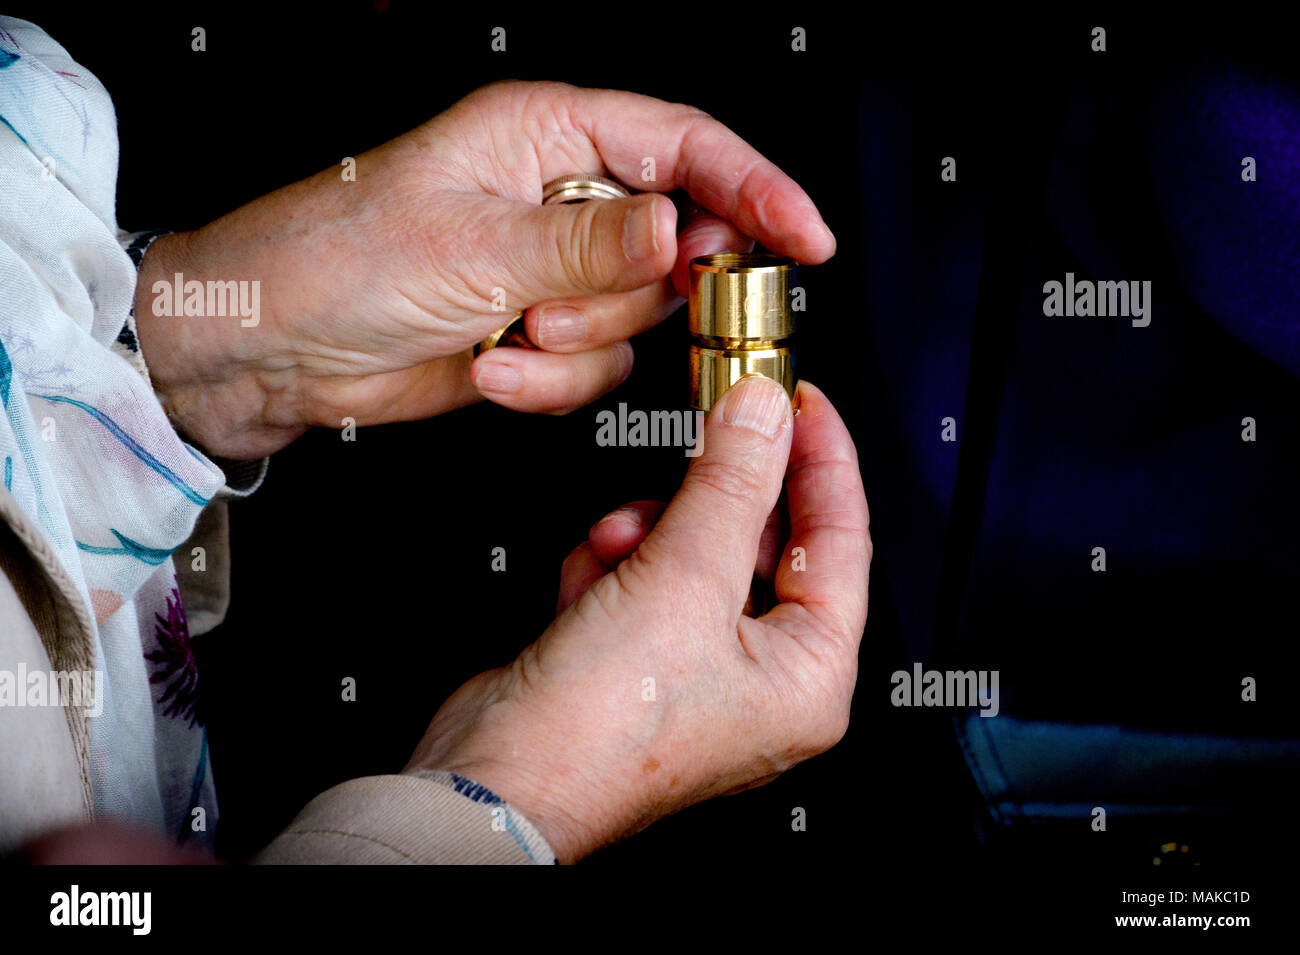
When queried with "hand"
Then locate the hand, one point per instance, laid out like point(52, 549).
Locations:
point(107, 842)
point(573, 734)
point(373, 292)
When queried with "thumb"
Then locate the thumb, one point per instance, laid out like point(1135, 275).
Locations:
point(593, 247)
point(713, 526)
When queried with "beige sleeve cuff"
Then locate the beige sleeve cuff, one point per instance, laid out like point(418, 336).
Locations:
point(432, 818)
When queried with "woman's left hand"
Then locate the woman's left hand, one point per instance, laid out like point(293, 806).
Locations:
point(372, 292)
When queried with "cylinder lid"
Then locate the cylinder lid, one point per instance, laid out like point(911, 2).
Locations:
point(741, 295)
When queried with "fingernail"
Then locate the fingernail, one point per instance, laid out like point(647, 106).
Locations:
point(498, 378)
point(629, 515)
point(641, 231)
point(756, 403)
point(561, 325)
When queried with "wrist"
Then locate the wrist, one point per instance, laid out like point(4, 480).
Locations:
point(482, 735)
point(558, 823)
point(203, 367)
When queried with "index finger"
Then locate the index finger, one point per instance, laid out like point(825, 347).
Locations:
point(694, 152)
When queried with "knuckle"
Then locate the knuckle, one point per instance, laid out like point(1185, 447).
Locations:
point(599, 223)
point(583, 381)
point(566, 252)
point(638, 576)
point(575, 387)
point(578, 249)
point(617, 365)
point(543, 94)
point(501, 86)
point(660, 576)
point(733, 480)
point(682, 585)
point(602, 601)
point(696, 122)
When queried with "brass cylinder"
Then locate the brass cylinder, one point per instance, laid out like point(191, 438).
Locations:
point(741, 322)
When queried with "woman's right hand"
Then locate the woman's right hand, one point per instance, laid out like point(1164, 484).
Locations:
point(652, 690)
